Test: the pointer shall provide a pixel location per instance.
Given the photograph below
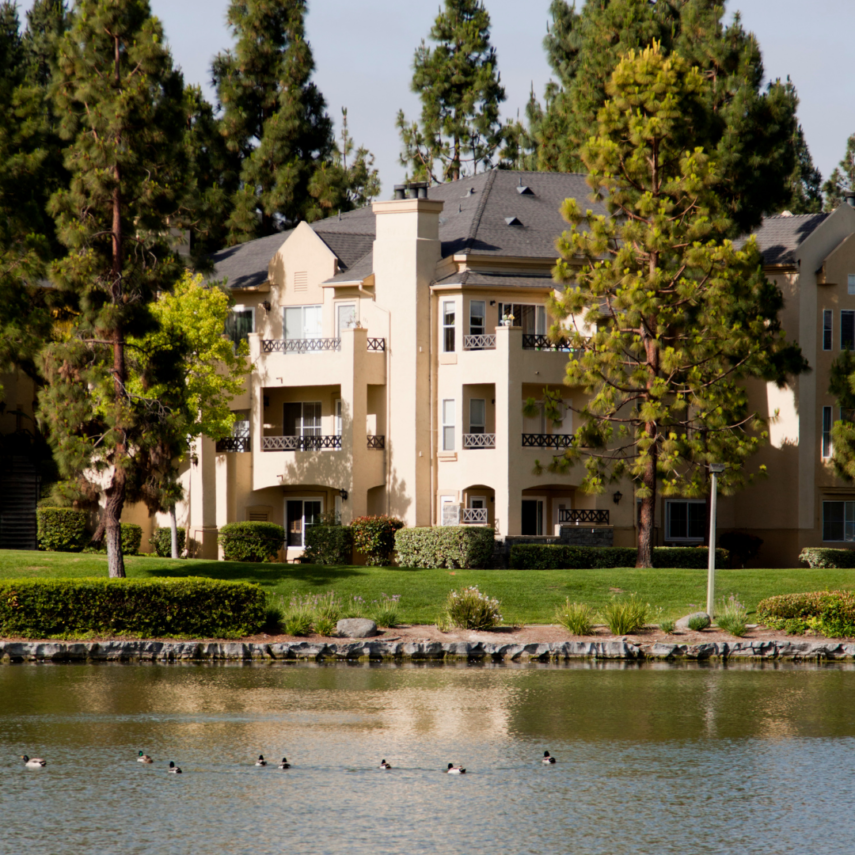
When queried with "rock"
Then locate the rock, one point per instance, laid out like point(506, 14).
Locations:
point(356, 628)
point(683, 623)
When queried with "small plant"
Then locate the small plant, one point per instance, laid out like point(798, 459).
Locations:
point(626, 615)
point(326, 607)
point(698, 623)
point(384, 612)
point(577, 618)
point(298, 616)
point(274, 617)
point(731, 616)
point(667, 625)
point(325, 626)
point(470, 609)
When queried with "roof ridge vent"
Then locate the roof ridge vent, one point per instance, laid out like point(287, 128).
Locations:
point(525, 191)
point(513, 221)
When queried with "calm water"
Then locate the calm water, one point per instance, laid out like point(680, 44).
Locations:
point(655, 759)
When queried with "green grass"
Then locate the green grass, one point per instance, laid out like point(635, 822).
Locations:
point(526, 596)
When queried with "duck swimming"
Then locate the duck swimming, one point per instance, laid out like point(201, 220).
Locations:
point(455, 770)
point(284, 764)
point(173, 769)
point(384, 765)
point(33, 762)
point(144, 758)
point(547, 758)
point(261, 761)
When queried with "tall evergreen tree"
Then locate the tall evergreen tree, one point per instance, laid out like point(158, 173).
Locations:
point(805, 182)
point(750, 129)
point(667, 318)
point(458, 83)
point(120, 103)
point(842, 386)
point(842, 179)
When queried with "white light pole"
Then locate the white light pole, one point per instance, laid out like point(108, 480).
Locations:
point(715, 469)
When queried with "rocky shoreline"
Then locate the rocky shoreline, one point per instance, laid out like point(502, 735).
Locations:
point(421, 651)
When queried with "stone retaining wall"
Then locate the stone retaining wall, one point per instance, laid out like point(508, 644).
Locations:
point(228, 651)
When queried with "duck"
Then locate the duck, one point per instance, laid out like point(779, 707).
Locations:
point(455, 770)
point(261, 761)
point(173, 769)
point(144, 758)
point(547, 758)
point(385, 765)
point(33, 762)
point(284, 764)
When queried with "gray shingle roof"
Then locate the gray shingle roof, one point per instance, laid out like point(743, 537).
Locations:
point(347, 248)
point(477, 279)
point(360, 270)
point(779, 237)
point(245, 265)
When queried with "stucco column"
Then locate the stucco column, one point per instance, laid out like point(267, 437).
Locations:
point(354, 423)
point(223, 486)
point(203, 497)
point(508, 430)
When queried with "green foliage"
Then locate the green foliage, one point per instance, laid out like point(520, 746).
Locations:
point(841, 384)
point(329, 544)
point(61, 529)
point(626, 614)
point(161, 540)
point(667, 319)
point(741, 546)
point(667, 625)
point(457, 82)
point(828, 558)
point(730, 615)
point(319, 613)
point(384, 611)
point(470, 609)
point(374, 537)
point(577, 618)
point(805, 182)
point(842, 179)
point(453, 547)
point(698, 623)
point(829, 613)
point(251, 541)
point(533, 556)
point(148, 608)
point(131, 540)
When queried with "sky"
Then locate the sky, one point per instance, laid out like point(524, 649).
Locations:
point(364, 49)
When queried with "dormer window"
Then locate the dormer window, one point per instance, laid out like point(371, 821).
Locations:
point(851, 283)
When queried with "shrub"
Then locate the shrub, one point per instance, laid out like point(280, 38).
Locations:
point(384, 612)
point(831, 613)
point(470, 609)
point(61, 529)
point(577, 618)
point(374, 537)
point(667, 625)
point(131, 539)
point(842, 559)
point(329, 544)
point(453, 546)
point(148, 608)
point(529, 556)
point(625, 615)
point(698, 623)
point(731, 616)
point(161, 540)
point(741, 546)
point(251, 541)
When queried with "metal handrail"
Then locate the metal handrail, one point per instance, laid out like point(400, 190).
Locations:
point(544, 342)
point(234, 444)
point(376, 345)
point(567, 515)
point(375, 441)
point(479, 440)
point(547, 440)
point(300, 443)
point(474, 516)
point(299, 345)
point(479, 342)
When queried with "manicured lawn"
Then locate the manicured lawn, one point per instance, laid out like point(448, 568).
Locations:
point(527, 596)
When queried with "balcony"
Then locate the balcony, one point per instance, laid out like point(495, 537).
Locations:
point(473, 516)
point(479, 440)
point(479, 342)
point(234, 444)
point(314, 345)
point(590, 517)
point(544, 342)
point(547, 440)
point(376, 442)
point(300, 443)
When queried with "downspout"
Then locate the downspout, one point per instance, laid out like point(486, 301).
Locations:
point(432, 407)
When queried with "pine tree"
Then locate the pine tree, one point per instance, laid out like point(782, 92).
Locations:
point(842, 386)
point(842, 179)
point(805, 181)
point(120, 103)
point(750, 129)
point(459, 86)
point(667, 319)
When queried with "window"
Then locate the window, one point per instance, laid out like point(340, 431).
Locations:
point(826, 432)
point(449, 511)
point(532, 319)
point(838, 521)
point(448, 425)
point(345, 317)
point(300, 515)
point(477, 317)
point(851, 283)
point(240, 428)
point(827, 316)
point(302, 322)
point(685, 520)
point(338, 417)
point(302, 419)
point(448, 326)
point(847, 330)
point(240, 323)
point(532, 517)
point(477, 415)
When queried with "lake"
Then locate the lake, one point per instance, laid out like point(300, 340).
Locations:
point(651, 759)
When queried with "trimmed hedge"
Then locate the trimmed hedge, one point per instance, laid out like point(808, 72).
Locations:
point(831, 613)
point(61, 529)
point(458, 546)
point(131, 540)
point(837, 559)
point(161, 540)
point(147, 608)
point(329, 544)
point(374, 537)
point(251, 541)
point(530, 556)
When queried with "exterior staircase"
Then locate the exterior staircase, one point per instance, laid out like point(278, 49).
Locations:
point(19, 493)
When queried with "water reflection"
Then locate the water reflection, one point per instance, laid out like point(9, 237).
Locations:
point(647, 757)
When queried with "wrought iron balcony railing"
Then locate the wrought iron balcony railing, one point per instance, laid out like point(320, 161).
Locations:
point(479, 440)
point(314, 345)
point(479, 342)
point(234, 443)
point(300, 443)
point(375, 441)
point(376, 345)
point(473, 516)
point(566, 515)
point(544, 342)
point(547, 440)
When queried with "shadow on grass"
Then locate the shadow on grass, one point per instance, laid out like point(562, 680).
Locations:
point(268, 575)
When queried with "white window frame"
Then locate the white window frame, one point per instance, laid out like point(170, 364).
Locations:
point(474, 427)
point(302, 336)
point(337, 411)
point(449, 330)
point(849, 314)
point(827, 447)
point(344, 305)
point(827, 329)
point(848, 510)
point(540, 317)
point(850, 283)
point(302, 423)
point(444, 502)
point(482, 329)
point(448, 425)
point(481, 499)
point(669, 538)
point(242, 308)
point(302, 499)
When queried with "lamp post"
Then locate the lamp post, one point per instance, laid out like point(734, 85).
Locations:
point(715, 469)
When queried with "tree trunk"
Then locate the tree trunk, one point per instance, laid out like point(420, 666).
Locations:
point(647, 522)
point(173, 532)
point(113, 527)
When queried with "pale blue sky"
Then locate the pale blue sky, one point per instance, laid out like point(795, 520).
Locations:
point(364, 48)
